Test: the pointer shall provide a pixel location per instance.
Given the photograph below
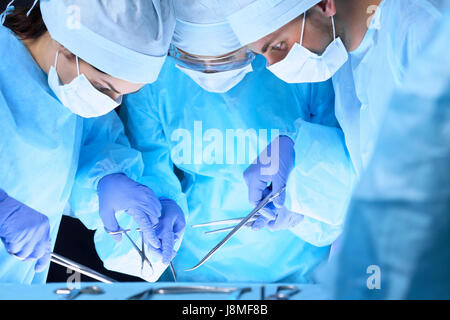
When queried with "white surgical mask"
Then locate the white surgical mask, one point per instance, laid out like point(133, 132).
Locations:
point(304, 66)
point(219, 81)
point(80, 96)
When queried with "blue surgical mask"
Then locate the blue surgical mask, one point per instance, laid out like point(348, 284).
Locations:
point(80, 96)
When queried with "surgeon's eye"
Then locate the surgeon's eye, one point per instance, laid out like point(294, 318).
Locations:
point(281, 46)
point(103, 90)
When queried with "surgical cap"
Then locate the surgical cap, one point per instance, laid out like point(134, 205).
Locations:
point(127, 39)
point(202, 29)
point(252, 20)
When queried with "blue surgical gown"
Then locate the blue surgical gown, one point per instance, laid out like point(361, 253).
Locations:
point(174, 121)
point(399, 217)
point(40, 144)
point(398, 30)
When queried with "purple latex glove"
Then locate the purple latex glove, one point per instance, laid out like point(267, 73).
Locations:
point(170, 228)
point(275, 218)
point(280, 219)
point(117, 192)
point(24, 232)
point(270, 172)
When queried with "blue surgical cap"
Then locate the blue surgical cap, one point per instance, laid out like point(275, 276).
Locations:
point(127, 39)
point(252, 20)
point(202, 29)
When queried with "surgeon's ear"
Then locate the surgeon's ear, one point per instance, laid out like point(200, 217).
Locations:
point(327, 7)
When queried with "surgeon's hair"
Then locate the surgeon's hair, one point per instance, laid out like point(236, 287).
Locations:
point(26, 27)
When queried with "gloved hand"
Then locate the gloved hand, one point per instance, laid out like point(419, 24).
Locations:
point(170, 228)
point(24, 232)
point(277, 219)
point(264, 176)
point(117, 192)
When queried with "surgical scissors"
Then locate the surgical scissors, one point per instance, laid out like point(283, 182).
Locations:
point(269, 198)
point(142, 252)
point(139, 251)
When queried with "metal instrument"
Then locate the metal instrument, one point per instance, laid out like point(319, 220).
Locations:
point(280, 295)
point(147, 294)
point(71, 294)
point(142, 252)
point(58, 259)
point(262, 204)
point(224, 222)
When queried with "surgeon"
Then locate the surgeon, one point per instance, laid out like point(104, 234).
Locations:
point(212, 111)
point(365, 46)
point(396, 240)
point(65, 66)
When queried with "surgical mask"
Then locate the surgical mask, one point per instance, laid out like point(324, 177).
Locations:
point(304, 66)
point(80, 96)
point(219, 82)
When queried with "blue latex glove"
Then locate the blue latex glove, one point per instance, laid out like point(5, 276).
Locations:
point(169, 230)
point(264, 176)
point(24, 232)
point(117, 192)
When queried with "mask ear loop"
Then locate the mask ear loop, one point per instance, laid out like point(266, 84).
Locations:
point(78, 66)
point(303, 29)
point(334, 27)
point(56, 59)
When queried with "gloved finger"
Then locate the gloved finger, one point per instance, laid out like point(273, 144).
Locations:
point(13, 247)
point(152, 211)
point(167, 246)
point(256, 184)
point(277, 184)
point(110, 224)
point(43, 262)
point(151, 239)
point(155, 254)
point(25, 251)
point(286, 219)
point(179, 226)
point(154, 201)
point(30, 252)
point(40, 242)
point(143, 220)
point(268, 212)
point(259, 223)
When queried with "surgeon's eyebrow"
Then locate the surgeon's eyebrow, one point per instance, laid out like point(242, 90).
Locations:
point(111, 87)
point(265, 47)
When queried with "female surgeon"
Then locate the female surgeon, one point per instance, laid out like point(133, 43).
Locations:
point(65, 64)
point(211, 110)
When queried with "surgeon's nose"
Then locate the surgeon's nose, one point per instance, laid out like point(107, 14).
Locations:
point(271, 60)
point(115, 96)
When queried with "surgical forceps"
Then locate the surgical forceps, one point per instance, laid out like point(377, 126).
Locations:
point(269, 198)
point(142, 252)
point(224, 222)
point(62, 261)
point(147, 294)
point(139, 251)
